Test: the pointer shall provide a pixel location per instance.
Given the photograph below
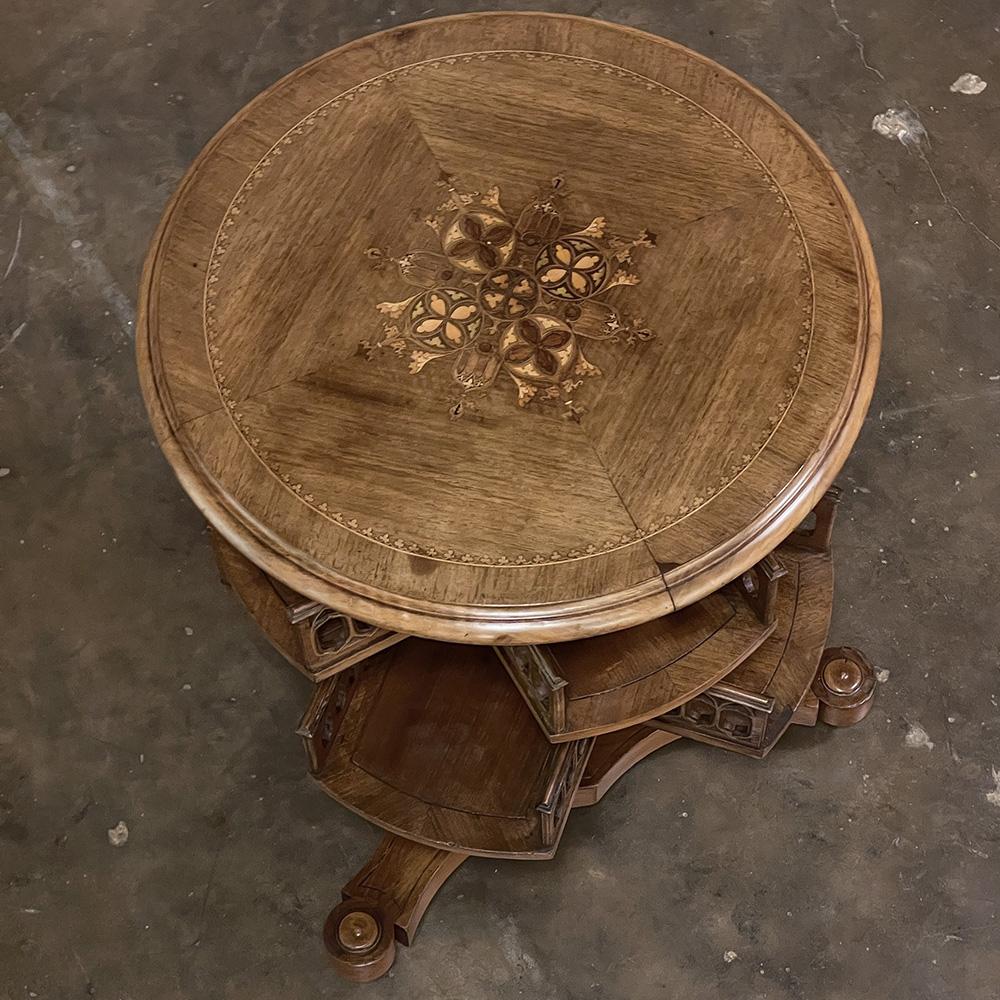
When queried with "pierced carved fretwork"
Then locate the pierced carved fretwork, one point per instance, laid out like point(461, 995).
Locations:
point(533, 670)
point(332, 632)
point(759, 586)
point(316, 639)
point(816, 532)
point(322, 718)
point(332, 641)
point(559, 796)
point(723, 713)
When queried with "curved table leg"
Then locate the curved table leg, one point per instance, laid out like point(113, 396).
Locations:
point(383, 904)
point(613, 755)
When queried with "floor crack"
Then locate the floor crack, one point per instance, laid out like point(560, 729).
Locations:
point(858, 41)
point(947, 201)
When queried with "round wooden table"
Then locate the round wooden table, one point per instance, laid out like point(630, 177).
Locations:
point(513, 330)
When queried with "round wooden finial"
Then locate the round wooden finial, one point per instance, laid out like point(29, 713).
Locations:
point(358, 931)
point(845, 686)
point(843, 676)
point(359, 939)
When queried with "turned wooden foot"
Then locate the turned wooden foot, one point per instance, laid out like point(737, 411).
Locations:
point(844, 685)
point(360, 939)
point(383, 904)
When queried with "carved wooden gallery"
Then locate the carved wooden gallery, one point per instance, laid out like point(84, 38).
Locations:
point(511, 359)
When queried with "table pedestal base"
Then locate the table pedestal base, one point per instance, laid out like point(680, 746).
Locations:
point(456, 751)
point(385, 901)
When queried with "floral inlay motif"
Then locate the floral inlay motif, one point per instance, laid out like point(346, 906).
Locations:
point(479, 368)
point(511, 297)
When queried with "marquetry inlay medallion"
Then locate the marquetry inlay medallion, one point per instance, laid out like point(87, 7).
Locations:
point(511, 295)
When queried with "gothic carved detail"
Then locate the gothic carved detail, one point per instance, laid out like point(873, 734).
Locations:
point(558, 800)
point(533, 670)
point(724, 713)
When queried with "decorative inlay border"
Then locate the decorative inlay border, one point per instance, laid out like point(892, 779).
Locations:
point(389, 539)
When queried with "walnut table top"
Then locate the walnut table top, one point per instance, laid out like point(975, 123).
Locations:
point(508, 328)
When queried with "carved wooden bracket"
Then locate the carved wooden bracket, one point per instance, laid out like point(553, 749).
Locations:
point(332, 641)
point(760, 588)
point(534, 672)
point(816, 532)
point(324, 714)
point(558, 799)
point(723, 713)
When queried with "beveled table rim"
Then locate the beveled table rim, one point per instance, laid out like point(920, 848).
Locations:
point(551, 622)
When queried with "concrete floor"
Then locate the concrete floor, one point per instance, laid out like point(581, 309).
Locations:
point(860, 863)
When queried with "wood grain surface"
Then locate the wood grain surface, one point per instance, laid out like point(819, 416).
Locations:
point(621, 679)
point(403, 877)
point(508, 328)
point(432, 742)
point(777, 676)
point(301, 640)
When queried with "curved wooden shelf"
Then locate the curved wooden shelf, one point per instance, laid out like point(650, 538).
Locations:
point(588, 687)
point(432, 742)
point(754, 705)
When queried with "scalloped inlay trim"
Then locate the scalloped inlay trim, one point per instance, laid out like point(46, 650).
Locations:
point(326, 507)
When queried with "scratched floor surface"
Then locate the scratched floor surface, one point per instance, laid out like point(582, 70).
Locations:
point(864, 863)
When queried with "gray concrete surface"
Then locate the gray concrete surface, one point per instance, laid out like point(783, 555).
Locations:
point(862, 863)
